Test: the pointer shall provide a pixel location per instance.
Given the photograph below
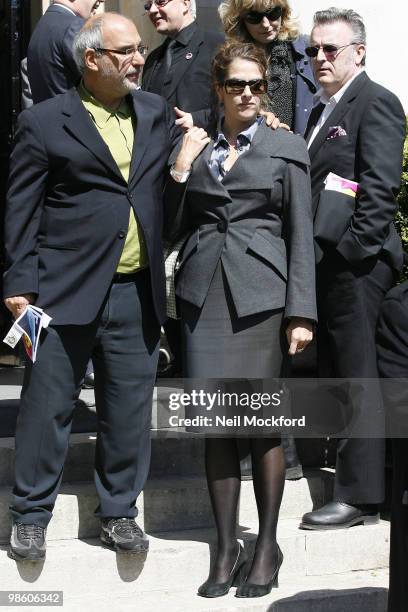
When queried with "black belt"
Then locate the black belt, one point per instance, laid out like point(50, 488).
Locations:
point(119, 277)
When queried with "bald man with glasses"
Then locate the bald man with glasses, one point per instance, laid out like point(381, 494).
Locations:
point(83, 242)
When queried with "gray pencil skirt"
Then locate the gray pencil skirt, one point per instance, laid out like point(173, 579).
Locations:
point(219, 344)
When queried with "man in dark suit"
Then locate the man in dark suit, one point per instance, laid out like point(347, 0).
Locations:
point(180, 71)
point(83, 241)
point(357, 133)
point(392, 346)
point(51, 66)
point(180, 68)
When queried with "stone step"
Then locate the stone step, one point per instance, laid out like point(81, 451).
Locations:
point(180, 560)
point(172, 455)
point(184, 556)
point(362, 591)
point(168, 504)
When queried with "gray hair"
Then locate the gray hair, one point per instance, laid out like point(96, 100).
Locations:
point(88, 37)
point(348, 16)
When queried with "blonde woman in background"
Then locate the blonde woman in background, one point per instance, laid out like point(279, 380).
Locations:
point(269, 24)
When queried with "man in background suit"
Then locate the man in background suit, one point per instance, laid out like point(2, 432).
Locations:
point(51, 66)
point(83, 242)
point(356, 132)
point(392, 345)
point(180, 71)
point(180, 68)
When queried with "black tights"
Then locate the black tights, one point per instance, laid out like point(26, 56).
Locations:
point(224, 483)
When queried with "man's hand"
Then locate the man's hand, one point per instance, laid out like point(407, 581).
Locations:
point(299, 333)
point(19, 303)
point(185, 120)
point(272, 121)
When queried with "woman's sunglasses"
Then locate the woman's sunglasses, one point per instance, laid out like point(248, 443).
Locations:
point(256, 17)
point(236, 86)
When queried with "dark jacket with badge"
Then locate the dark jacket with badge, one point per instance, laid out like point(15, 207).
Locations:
point(257, 221)
point(188, 82)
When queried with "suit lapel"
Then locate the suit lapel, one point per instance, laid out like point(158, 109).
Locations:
point(181, 66)
point(338, 113)
point(150, 71)
point(144, 122)
point(81, 127)
point(254, 166)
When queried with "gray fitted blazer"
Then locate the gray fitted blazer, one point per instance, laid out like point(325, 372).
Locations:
point(257, 221)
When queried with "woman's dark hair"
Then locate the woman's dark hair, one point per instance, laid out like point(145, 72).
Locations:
point(227, 53)
point(231, 50)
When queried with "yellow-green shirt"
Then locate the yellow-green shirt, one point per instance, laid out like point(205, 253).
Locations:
point(117, 130)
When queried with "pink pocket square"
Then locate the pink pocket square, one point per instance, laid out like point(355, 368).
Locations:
point(335, 131)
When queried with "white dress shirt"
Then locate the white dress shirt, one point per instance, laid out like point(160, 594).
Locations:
point(330, 105)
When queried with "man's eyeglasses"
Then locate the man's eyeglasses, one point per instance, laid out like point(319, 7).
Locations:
point(256, 17)
point(158, 3)
point(130, 52)
point(330, 51)
point(236, 86)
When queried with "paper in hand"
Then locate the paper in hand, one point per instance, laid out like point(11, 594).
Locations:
point(28, 326)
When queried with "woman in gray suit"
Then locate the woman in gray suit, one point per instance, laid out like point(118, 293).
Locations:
point(246, 280)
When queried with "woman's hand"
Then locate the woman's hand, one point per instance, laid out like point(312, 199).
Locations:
point(194, 141)
point(299, 333)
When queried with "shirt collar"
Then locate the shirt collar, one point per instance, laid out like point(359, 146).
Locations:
point(100, 113)
point(64, 7)
point(186, 34)
point(320, 96)
point(244, 138)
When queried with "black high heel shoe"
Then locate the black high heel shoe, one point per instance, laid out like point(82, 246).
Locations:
point(248, 589)
point(218, 589)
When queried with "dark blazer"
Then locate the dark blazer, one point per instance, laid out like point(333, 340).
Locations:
point(305, 85)
point(51, 66)
point(257, 221)
point(188, 85)
point(371, 154)
point(392, 347)
point(68, 205)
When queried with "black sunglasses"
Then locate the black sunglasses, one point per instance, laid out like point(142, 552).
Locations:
point(236, 86)
point(330, 51)
point(256, 17)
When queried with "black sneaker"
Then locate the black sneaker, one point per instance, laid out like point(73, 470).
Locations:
point(123, 535)
point(27, 542)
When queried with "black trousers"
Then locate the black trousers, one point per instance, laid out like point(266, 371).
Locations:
point(398, 593)
point(349, 302)
point(123, 342)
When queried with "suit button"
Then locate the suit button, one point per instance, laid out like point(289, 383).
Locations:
point(301, 70)
point(222, 226)
point(121, 234)
point(130, 195)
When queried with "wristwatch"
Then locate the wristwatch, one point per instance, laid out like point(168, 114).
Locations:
point(180, 177)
